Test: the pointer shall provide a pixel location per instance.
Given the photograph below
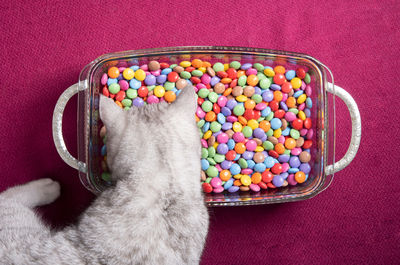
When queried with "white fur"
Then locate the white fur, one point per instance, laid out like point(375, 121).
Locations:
point(154, 214)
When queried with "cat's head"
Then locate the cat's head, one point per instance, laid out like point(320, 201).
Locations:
point(142, 137)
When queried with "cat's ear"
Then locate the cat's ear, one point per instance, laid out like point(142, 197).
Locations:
point(110, 113)
point(186, 100)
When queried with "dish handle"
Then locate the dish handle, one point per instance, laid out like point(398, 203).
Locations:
point(57, 129)
point(355, 129)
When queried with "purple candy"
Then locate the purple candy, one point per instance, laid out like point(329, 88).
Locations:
point(305, 167)
point(150, 80)
point(232, 103)
point(307, 111)
point(257, 90)
point(226, 164)
point(258, 133)
point(138, 102)
point(264, 138)
point(222, 149)
point(245, 66)
point(275, 87)
point(226, 126)
point(284, 175)
point(120, 77)
point(265, 153)
point(247, 154)
point(226, 111)
point(283, 158)
point(294, 161)
point(283, 106)
point(233, 189)
point(161, 79)
point(278, 181)
point(214, 80)
point(268, 96)
point(216, 133)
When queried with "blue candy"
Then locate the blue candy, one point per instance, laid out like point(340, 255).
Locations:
point(231, 144)
point(111, 81)
point(269, 162)
point(204, 164)
point(235, 169)
point(276, 123)
point(228, 184)
point(290, 74)
point(135, 84)
point(260, 167)
point(221, 118)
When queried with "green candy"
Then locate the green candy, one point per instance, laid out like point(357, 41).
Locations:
point(261, 119)
point(106, 176)
point(204, 153)
point(238, 110)
point(212, 171)
point(126, 102)
point(212, 96)
point(207, 106)
point(114, 88)
point(208, 180)
point(211, 152)
point(126, 108)
point(265, 83)
point(307, 78)
point(169, 85)
point(131, 93)
point(242, 80)
point(287, 152)
point(270, 132)
point(105, 139)
point(247, 131)
point(268, 145)
point(270, 116)
point(223, 183)
point(295, 134)
point(242, 163)
point(218, 67)
point(295, 111)
point(185, 75)
point(203, 93)
point(151, 88)
point(172, 66)
point(259, 67)
point(257, 98)
point(215, 126)
point(235, 65)
point(211, 161)
point(201, 123)
point(219, 158)
point(201, 133)
point(261, 76)
point(197, 73)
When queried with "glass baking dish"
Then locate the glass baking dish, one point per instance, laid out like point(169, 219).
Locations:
point(322, 115)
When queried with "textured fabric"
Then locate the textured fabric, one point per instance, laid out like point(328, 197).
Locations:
point(44, 45)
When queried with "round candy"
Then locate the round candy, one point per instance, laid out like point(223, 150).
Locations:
point(113, 72)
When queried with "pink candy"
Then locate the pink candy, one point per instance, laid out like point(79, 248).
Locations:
point(222, 138)
point(221, 101)
point(205, 79)
point(152, 99)
point(290, 116)
point(216, 182)
point(238, 137)
point(200, 113)
point(251, 145)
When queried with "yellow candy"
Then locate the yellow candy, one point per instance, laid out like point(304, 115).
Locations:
point(241, 98)
point(277, 133)
point(140, 75)
point(207, 134)
point(226, 66)
point(246, 180)
point(296, 82)
point(252, 124)
point(128, 74)
point(269, 72)
point(159, 91)
point(302, 115)
point(185, 64)
point(203, 69)
point(238, 176)
point(215, 145)
point(259, 149)
point(301, 98)
point(237, 127)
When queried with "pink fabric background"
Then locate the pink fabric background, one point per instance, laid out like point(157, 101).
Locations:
point(355, 221)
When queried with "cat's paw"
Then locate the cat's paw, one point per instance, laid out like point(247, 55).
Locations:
point(35, 193)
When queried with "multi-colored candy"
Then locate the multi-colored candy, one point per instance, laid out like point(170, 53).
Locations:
point(254, 120)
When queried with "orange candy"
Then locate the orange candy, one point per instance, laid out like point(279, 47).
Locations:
point(113, 72)
point(291, 102)
point(290, 143)
point(210, 116)
point(119, 104)
point(227, 91)
point(279, 148)
point(206, 64)
point(197, 63)
point(225, 175)
point(278, 95)
point(170, 96)
point(279, 69)
point(265, 125)
point(252, 80)
point(242, 120)
point(240, 73)
point(249, 104)
point(256, 178)
point(240, 148)
point(237, 183)
point(226, 80)
point(300, 177)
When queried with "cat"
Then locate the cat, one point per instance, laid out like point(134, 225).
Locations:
point(154, 214)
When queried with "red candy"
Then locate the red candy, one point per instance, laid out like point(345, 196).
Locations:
point(277, 169)
point(307, 144)
point(297, 124)
point(232, 74)
point(286, 87)
point(230, 155)
point(279, 79)
point(301, 73)
point(274, 105)
point(105, 91)
point(307, 123)
point(207, 188)
point(222, 74)
point(267, 176)
point(120, 96)
point(216, 108)
point(279, 113)
point(143, 91)
point(173, 77)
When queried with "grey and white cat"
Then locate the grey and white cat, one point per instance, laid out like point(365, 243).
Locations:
point(153, 215)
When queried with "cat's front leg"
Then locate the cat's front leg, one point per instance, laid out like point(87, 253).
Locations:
point(35, 193)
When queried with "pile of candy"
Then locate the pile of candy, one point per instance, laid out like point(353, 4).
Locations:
point(254, 120)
